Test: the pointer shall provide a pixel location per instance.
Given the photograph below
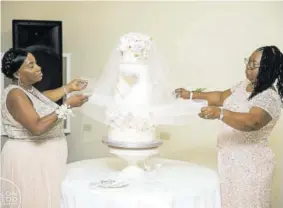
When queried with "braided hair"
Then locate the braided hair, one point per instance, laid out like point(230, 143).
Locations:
point(12, 61)
point(270, 70)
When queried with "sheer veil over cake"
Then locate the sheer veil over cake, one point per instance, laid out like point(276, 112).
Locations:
point(124, 93)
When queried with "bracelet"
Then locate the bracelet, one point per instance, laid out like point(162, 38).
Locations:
point(221, 114)
point(65, 90)
point(191, 95)
point(63, 111)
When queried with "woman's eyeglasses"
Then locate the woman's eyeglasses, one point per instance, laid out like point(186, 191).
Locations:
point(251, 65)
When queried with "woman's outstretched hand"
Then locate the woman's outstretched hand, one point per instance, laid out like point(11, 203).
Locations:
point(182, 93)
point(76, 85)
point(76, 100)
point(210, 112)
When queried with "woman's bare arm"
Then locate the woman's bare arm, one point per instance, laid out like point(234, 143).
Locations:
point(214, 98)
point(254, 120)
point(56, 94)
point(22, 110)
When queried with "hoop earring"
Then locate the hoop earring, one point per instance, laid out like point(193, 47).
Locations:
point(19, 81)
point(16, 75)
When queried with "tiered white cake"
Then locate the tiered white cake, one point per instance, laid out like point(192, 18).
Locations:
point(132, 93)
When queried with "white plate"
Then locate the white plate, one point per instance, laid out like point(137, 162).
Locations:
point(109, 183)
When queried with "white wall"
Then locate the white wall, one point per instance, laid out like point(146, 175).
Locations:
point(204, 44)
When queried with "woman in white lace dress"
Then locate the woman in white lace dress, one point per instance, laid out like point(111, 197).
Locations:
point(249, 113)
point(34, 157)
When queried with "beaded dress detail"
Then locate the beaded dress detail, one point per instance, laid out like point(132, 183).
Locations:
point(245, 161)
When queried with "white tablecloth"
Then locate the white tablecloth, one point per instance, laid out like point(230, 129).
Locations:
point(171, 183)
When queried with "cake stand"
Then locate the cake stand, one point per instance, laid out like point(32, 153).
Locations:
point(133, 154)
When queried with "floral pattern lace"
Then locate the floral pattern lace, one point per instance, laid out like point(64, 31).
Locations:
point(126, 120)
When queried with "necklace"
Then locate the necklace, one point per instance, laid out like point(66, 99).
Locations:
point(30, 90)
point(26, 87)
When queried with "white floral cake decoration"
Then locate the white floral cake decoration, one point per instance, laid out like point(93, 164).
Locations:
point(136, 44)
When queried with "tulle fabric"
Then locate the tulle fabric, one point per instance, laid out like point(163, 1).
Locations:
point(162, 107)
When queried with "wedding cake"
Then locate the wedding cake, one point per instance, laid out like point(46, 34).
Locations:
point(134, 94)
point(131, 122)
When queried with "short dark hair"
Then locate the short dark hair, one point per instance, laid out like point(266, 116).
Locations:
point(12, 61)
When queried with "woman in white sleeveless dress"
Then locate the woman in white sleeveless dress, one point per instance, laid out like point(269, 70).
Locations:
point(34, 157)
point(250, 111)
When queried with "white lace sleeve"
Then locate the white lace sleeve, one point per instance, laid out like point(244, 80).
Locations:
point(269, 101)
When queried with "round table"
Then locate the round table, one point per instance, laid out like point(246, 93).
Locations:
point(169, 183)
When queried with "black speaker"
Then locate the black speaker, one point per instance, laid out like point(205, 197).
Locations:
point(42, 38)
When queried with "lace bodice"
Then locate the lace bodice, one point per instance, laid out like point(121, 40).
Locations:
point(43, 106)
point(268, 100)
